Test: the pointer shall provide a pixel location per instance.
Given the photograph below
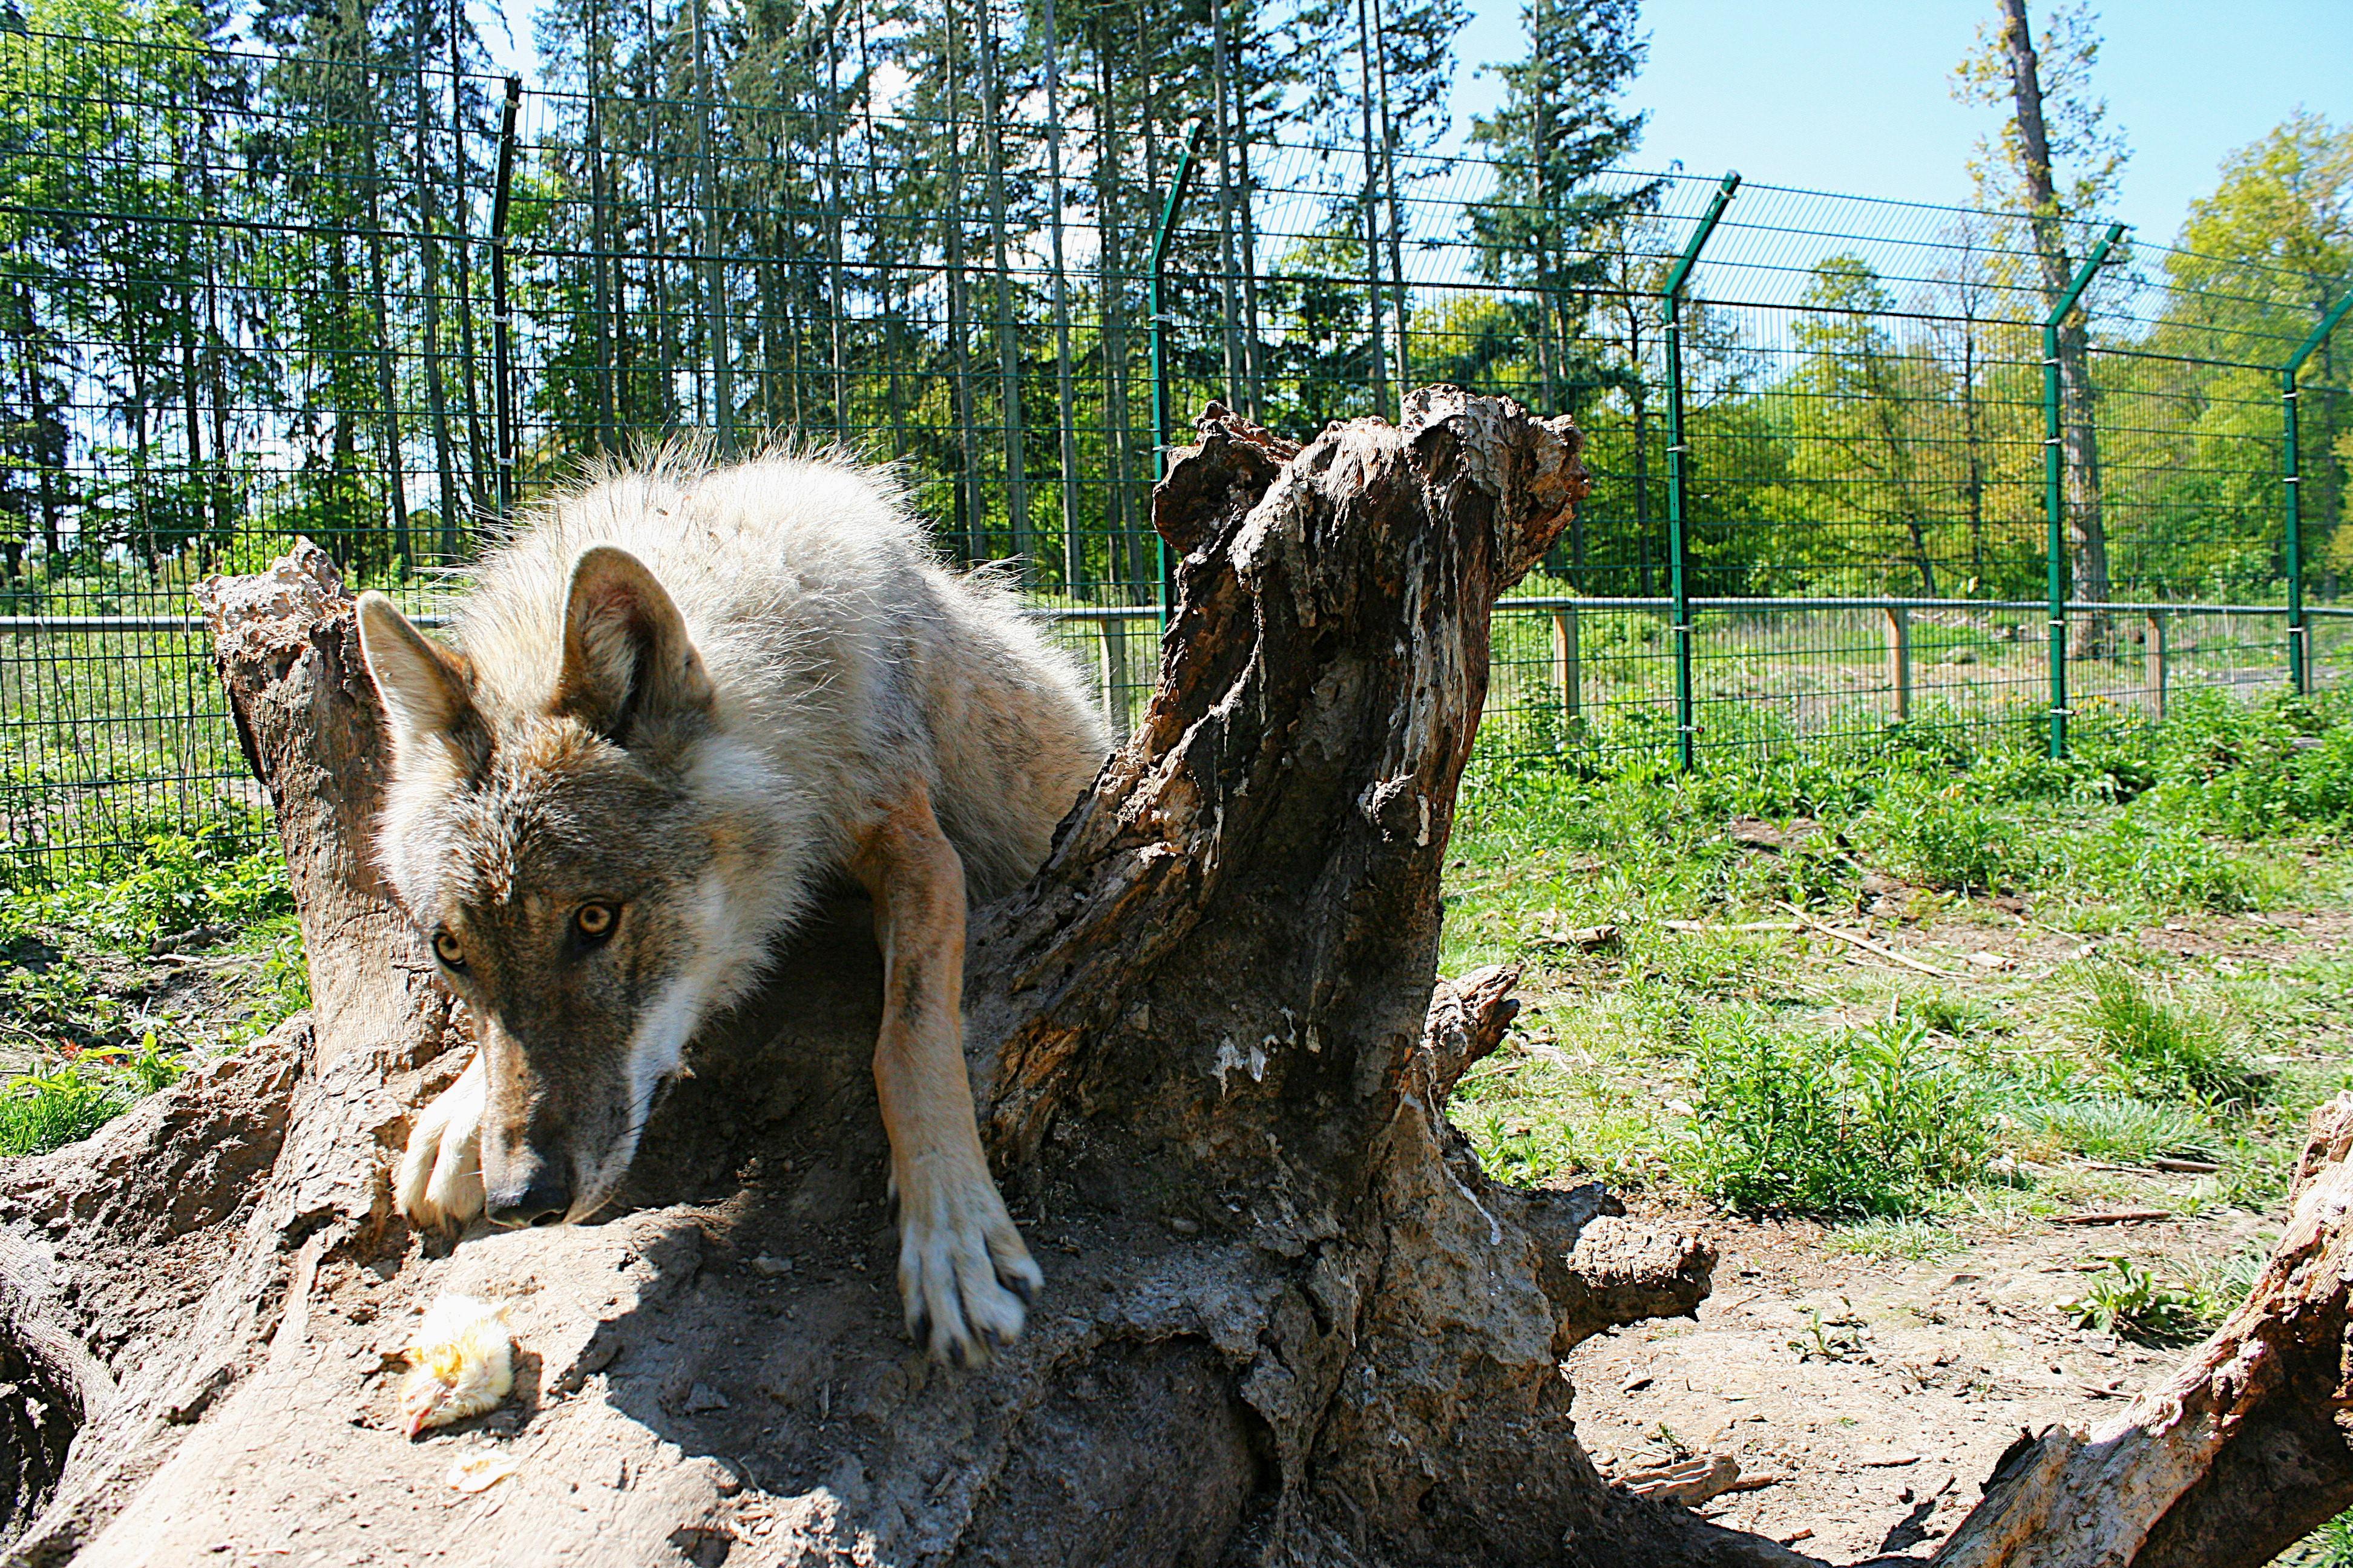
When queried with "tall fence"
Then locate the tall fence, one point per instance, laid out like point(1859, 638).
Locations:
point(1857, 462)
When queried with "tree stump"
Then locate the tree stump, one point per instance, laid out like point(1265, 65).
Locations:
point(1287, 1319)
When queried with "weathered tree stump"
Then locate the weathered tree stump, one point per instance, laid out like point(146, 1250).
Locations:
point(1287, 1319)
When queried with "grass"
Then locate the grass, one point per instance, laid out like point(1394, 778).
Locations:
point(2330, 1546)
point(1726, 1049)
point(2115, 1127)
point(93, 1003)
point(1770, 1068)
point(2161, 1050)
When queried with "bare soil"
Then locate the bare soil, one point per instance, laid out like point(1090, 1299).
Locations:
point(1873, 1396)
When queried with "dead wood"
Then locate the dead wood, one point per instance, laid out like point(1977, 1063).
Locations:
point(2239, 1454)
point(1287, 1319)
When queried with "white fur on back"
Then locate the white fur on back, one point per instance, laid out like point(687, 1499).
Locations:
point(844, 655)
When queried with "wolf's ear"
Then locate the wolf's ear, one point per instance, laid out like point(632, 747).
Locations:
point(426, 688)
point(631, 672)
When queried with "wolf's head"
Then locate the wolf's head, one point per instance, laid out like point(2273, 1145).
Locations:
point(568, 866)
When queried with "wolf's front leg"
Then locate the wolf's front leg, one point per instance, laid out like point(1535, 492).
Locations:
point(963, 1273)
point(440, 1177)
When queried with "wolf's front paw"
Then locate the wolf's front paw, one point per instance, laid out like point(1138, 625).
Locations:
point(440, 1178)
point(963, 1273)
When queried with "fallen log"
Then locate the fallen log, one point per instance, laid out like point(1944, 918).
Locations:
point(2239, 1454)
point(1287, 1319)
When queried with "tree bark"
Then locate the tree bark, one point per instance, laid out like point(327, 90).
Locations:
point(1287, 1319)
point(2079, 439)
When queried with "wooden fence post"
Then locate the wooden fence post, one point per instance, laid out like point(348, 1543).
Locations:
point(1899, 659)
point(2153, 663)
point(1567, 668)
point(1114, 675)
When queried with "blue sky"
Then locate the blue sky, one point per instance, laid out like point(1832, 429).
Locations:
point(1853, 95)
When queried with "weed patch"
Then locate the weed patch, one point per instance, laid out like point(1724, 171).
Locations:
point(100, 1003)
point(2162, 1050)
point(2125, 1300)
point(2118, 1128)
point(1854, 1121)
point(1943, 833)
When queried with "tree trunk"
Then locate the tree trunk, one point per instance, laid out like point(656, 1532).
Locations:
point(2079, 448)
point(1287, 1319)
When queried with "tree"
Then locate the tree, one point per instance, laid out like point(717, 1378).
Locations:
point(1557, 132)
point(1854, 409)
point(2260, 262)
point(2055, 123)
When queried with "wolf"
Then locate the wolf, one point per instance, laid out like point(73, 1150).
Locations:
point(685, 698)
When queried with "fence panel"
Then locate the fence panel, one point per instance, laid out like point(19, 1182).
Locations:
point(246, 296)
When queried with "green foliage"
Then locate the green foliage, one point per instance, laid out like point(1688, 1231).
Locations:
point(2120, 1127)
point(2127, 1300)
point(178, 882)
point(70, 1099)
point(1839, 1338)
point(1865, 1122)
point(44, 1111)
point(2330, 1546)
point(2254, 770)
point(1909, 1240)
point(2161, 1049)
point(1944, 835)
point(66, 935)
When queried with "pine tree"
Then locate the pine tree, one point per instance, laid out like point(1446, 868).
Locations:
point(1557, 135)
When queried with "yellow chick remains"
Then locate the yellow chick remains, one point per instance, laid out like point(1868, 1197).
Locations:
point(460, 1363)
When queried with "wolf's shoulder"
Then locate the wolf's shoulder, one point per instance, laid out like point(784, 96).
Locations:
point(696, 524)
point(790, 544)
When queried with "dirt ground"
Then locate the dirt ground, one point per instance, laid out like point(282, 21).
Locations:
point(1867, 1398)
point(1870, 1398)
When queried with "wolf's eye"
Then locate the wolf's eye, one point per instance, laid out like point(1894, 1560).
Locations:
point(595, 921)
point(447, 949)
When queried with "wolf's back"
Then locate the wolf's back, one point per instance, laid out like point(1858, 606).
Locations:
point(837, 643)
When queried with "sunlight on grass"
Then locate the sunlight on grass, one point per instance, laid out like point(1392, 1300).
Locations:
point(1727, 1049)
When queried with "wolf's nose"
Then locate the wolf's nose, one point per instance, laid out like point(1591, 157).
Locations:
point(544, 1199)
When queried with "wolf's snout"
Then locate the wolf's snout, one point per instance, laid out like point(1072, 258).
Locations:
point(535, 1191)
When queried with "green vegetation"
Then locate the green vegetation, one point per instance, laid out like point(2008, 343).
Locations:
point(2125, 1300)
point(1868, 1120)
point(2093, 1000)
point(120, 968)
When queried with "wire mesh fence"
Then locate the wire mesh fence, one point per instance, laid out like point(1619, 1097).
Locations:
point(1847, 472)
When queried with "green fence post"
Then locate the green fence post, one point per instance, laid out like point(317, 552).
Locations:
point(501, 316)
point(2054, 496)
point(1160, 416)
point(1678, 581)
point(2299, 653)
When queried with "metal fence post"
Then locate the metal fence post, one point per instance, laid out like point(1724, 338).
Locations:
point(2054, 496)
point(2153, 665)
point(1679, 584)
point(502, 333)
point(2299, 651)
point(1161, 435)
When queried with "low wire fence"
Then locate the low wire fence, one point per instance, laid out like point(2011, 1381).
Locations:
point(1856, 462)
